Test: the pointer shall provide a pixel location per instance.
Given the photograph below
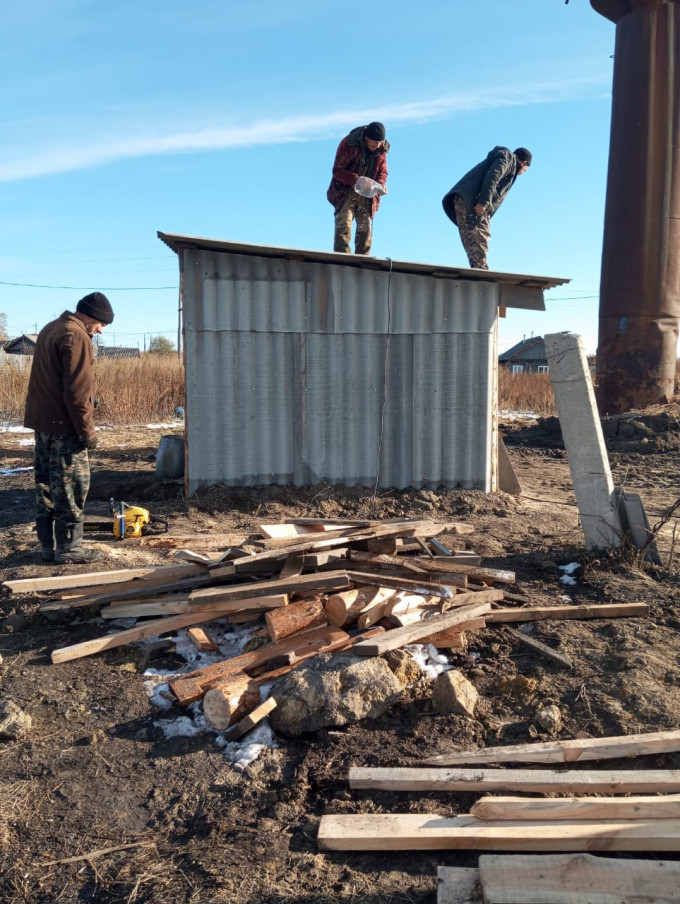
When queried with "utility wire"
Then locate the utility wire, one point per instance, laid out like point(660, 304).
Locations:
point(86, 288)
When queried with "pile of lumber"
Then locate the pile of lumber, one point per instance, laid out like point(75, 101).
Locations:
point(604, 810)
point(308, 587)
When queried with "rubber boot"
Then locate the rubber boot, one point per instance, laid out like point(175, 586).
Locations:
point(70, 549)
point(44, 526)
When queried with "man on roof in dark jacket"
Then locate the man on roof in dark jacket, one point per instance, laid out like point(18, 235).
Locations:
point(60, 408)
point(362, 153)
point(476, 197)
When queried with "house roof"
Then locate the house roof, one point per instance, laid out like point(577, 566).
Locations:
point(21, 344)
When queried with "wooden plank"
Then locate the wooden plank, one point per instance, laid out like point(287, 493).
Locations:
point(451, 636)
point(542, 649)
point(292, 566)
point(181, 604)
point(399, 637)
point(238, 729)
point(191, 687)
point(622, 781)
point(148, 629)
point(458, 885)
point(566, 751)
point(539, 613)
point(201, 640)
point(384, 580)
point(137, 590)
point(577, 879)
point(665, 806)
point(476, 572)
point(332, 580)
point(431, 832)
point(101, 578)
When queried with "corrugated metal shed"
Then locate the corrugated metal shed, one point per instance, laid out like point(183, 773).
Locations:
point(307, 366)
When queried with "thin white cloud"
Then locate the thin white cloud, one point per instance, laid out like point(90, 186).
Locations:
point(19, 166)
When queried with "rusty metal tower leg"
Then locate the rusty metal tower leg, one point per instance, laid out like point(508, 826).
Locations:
point(640, 284)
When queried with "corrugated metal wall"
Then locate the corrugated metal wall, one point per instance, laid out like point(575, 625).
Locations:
point(300, 371)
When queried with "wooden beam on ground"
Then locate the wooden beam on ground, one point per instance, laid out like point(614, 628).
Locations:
point(570, 751)
point(477, 573)
point(201, 640)
point(148, 629)
point(384, 580)
point(238, 729)
point(622, 781)
point(182, 604)
point(538, 613)
point(101, 578)
point(432, 832)
point(527, 809)
point(458, 885)
point(541, 648)
point(577, 879)
point(399, 637)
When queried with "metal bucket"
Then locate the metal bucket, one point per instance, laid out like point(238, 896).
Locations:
point(170, 457)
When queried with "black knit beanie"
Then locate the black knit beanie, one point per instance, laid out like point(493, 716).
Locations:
point(375, 131)
point(524, 155)
point(97, 306)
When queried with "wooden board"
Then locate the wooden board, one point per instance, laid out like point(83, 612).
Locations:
point(399, 637)
point(537, 613)
point(542, 649)
point(332, 580)
point(431, 832)
point(622, 781)
point(100, 578)
point(458, 885)
point(659, 806)
point(577, 879)
point(565, 751)
point(238, 729)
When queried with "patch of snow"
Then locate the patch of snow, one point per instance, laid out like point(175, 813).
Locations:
point(568, 571)
point(165, 426)
point(181, 727)
point(7, 472)
point(430, 660)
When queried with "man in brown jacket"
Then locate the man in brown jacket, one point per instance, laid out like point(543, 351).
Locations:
point(60, 408)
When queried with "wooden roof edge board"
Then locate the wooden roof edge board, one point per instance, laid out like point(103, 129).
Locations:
point(569, 751)
point(430, 831)
point(414, 778)
point(648, 806)
point(199, 243)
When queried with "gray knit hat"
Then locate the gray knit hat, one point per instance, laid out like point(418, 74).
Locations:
point(97, 306)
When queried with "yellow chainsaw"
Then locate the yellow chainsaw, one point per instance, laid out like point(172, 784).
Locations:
point(128, 521)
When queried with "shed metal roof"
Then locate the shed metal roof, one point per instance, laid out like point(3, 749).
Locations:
point(510, 283)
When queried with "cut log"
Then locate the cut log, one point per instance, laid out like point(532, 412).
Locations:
point(565, 751)
point(538, 613)
point(230, 700)
point(399, 637)
point(665, 806)
point(238, 729)
point(344, 608)
point(148, 629)
point(624, 781)
point(296, 617)
point(577, 879)
point(201, 640)
point(431, 832)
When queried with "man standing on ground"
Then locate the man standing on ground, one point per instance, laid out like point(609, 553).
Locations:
point(60, 408)
point(476, 197)
point(361, 153)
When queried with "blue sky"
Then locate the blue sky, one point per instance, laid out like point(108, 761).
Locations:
point(221, 119)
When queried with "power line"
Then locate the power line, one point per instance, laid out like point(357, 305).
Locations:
point(86, 288)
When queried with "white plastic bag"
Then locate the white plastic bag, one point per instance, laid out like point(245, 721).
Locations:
point(369, 188)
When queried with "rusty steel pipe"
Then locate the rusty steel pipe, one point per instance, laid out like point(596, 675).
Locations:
point(640, 280)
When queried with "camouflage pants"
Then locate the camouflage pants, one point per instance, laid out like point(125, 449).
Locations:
point(62, 482)
point(475, 233)
point(354, 207)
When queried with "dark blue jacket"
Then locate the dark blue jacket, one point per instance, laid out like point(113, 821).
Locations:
point(487, 183)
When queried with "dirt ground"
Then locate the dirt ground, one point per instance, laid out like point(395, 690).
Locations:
point(96, 772)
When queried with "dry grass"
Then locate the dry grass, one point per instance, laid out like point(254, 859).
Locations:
point(526, 392)
point(132, 391)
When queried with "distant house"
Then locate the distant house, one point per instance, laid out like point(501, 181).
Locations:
point(527, 357)
point(116, 351)
point(22, 345)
